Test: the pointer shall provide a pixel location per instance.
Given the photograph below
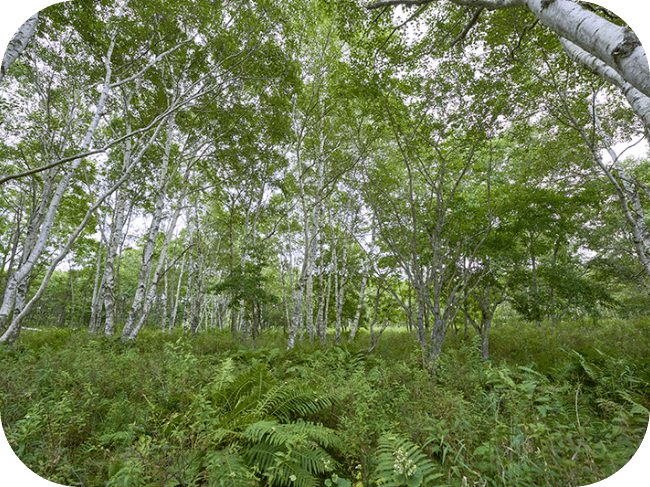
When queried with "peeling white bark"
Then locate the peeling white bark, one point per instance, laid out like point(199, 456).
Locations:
point(362, 291)
point(52, 204)
point(162, 259)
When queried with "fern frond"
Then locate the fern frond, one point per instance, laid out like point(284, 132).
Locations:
point(276, 433)
point(226, 375)
point(284, 467)
point(262, 455)
point(252, 383)
point(270, 432)
point(227, 469)
point(401, 462)
point(278, 448)
point(290, 401)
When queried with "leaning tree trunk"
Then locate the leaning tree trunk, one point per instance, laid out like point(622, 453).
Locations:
point(153, 287)
point(15, 290)
point(18, 44)
point(614, 45)
point(96, 302)
point(172, 319)
point(154, 228)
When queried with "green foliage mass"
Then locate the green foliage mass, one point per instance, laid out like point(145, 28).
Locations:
point(171, 411)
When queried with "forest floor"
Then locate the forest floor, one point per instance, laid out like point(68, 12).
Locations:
point(563, 406)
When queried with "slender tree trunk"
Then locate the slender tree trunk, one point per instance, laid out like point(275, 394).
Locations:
point(614, 45)
point(328, 293)
point(117, 227)
point(96, 303)
point(172, 320)
point(148, 251)
point(320, 300)
point(162, 259)
point(285, 302)
point(309, 308)
point(16, 288)
point(166, 304)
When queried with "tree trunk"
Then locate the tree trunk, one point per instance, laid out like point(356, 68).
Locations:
point(639, 102)
point(147, 253)
point(320, 300)
point(18, 44)
point(16, 288)
point(162, 259)
point(96, 303)
point(172, 319)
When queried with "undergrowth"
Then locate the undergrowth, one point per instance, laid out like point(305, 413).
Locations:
point(174, 411)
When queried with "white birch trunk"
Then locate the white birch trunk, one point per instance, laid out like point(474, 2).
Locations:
point(18, 44)
point(18, 279)
point(154, 228)
point(335, 272)
point(14, 330)
point(117, 228)
point(639, 102)
point(630, 201)
point(172, 320)
point(309, 308)
point(166, 305)
point(96, 302)
point(364, 281)
point(153, 287)
point(319, 303)
point(285, 301)
point(311, 233)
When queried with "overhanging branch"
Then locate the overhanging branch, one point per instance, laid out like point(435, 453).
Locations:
point(392, 3)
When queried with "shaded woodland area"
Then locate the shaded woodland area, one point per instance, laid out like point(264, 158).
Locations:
point(325, 242)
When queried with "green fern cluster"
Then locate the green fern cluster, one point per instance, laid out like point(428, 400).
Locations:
point(254, 428)
point(609, 379)
point(401, 463)
point(295, 452)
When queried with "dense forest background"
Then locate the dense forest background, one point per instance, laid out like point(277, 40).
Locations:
point(325, 242)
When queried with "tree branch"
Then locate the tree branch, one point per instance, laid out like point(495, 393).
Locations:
point(391, 3)
point(472, 22)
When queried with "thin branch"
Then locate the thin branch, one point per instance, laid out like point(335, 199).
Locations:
point(472, 22)
point(521, 38)
point(395, 29)
point(390, 3)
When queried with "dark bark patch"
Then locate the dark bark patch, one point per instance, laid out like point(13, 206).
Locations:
point(627, 46)
point(546, 3)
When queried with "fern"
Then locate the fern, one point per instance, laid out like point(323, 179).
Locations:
point(286, 452)
point(289, 401)
point(401, 462)
point(224, 468)
point(262, 421)
point(277, 434)
point(226, 374)
point(244, 390)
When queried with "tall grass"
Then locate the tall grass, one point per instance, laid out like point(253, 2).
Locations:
point(564, 405)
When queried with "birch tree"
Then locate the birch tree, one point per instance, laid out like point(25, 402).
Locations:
point(130, 327)
point(306, 116)
point(60, 176)
point(41, 224)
